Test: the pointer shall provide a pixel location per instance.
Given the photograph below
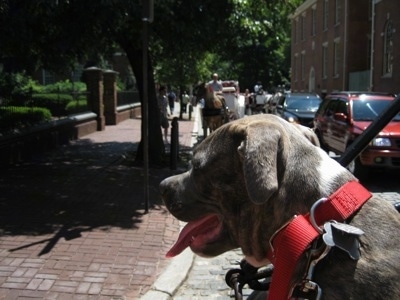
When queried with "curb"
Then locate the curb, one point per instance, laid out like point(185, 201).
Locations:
point(171, 279)
point(176, 272)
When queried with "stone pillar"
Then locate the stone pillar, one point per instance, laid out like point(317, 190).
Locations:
point(94, 81)
point(110, 96)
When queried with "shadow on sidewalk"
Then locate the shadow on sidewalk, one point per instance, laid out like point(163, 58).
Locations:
point(75, 189)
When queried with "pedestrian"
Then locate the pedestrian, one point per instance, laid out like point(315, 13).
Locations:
point(163, 106)
point(247, 101)
point(171, 101)
point(202, 103)
point(257, 87)
point(215, 83)
point(185, 101)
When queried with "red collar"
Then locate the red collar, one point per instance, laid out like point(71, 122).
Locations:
point(293, 240)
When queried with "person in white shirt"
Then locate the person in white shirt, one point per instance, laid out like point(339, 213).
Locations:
point(257, 87)
point(215, 83)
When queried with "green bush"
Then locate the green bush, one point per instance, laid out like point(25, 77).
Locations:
point(65, 87)
point(56, 103)
point(77, 106)
point(14, 118)
point(17, 85)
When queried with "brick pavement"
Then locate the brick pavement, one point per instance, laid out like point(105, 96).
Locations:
point(73, 225)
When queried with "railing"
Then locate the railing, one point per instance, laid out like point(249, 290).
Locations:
point(76, 101)
point(127, 97)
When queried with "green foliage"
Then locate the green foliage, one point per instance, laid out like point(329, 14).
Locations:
point(120, 85)
point(17, 84)
point(248, 41)
point(65, 86)
point(188, 40)
point(24, 91)
point(77, 106)
point(16, 119)
point(55, 103)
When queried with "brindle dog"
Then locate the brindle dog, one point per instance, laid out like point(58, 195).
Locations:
point(254, 174)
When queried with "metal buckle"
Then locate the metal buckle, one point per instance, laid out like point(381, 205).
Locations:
point(307, 289)
point(312, 211)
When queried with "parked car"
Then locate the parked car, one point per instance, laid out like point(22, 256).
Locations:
point(343, 116)
point(298, 107)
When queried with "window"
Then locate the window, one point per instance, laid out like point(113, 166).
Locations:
point(296, 26)
point(331, 108)
point(388, 49)
point(325, 14)
point(295, 70)
point(338, 8)
point(303, 58)
point(303, 27)
point(325, 60)
point(336, 59)
point(313, 21)
point(342, 108)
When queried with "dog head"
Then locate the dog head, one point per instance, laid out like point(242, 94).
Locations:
point(247, 179)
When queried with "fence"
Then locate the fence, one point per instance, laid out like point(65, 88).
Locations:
point(18, 113)
point(103, 105)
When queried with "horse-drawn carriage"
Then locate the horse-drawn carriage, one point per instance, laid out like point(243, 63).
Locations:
point(234, 100)
point(220, 107)
point(260, 102)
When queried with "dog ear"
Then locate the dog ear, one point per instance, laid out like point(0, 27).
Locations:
point(260, 151)
point(309, 133)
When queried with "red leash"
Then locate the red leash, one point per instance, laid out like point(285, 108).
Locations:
point(292, 241)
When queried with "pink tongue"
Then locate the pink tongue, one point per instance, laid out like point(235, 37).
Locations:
point(191, 230)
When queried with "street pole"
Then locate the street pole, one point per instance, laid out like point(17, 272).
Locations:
point(147, 18)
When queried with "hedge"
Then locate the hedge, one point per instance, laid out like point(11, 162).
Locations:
point(77, 106)
point(14, 119)
point(56, 103)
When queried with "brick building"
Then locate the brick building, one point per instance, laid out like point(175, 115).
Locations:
point(346, 45)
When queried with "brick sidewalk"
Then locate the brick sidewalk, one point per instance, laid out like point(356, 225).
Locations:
point(73, 225)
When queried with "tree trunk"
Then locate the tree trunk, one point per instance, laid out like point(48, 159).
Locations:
point(156, 144)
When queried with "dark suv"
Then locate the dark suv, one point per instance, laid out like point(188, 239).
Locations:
point(343, 116)
point(298, 107)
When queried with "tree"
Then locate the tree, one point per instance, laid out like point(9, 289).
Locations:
point(58, 34)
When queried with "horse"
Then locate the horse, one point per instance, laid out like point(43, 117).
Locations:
point(214, 113)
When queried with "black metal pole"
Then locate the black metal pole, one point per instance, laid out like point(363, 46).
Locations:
point(371, 132)
point(145, 114)
point(174, 143)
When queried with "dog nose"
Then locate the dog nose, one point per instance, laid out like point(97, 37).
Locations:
point(169, 195)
